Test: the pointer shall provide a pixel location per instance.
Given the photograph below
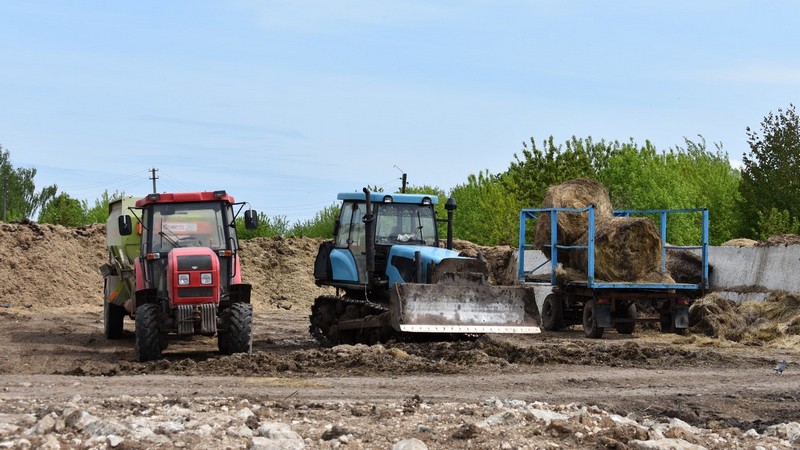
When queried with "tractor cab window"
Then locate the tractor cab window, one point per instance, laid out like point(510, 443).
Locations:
point(399, 223)
point(351, 226)
point(187, 225)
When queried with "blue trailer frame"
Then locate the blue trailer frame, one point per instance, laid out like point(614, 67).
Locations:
point(603, 295)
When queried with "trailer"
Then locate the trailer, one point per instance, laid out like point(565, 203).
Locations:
point(600, 304)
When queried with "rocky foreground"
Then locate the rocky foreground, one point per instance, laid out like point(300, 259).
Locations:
point(125, 422)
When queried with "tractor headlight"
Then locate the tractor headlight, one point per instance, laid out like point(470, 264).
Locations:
point(183, 279)
point(205, 278)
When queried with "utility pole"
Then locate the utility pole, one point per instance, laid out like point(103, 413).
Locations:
point(154, 178)
point(404, 179)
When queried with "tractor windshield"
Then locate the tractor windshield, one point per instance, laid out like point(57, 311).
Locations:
point(188, 225)
point(399, 223)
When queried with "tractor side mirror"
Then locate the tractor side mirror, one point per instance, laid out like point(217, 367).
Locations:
point(250, 219)
point(125, 226)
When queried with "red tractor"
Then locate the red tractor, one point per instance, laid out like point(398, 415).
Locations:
point(176, 271)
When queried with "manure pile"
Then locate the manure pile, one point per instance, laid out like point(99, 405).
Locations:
point(775, 322)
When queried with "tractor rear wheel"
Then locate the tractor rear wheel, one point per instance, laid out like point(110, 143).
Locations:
point(239, 329)
point(148, 345)
point(590, 328)
point(552, 313)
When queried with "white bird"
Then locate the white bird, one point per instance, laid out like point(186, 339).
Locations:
point(780, 367)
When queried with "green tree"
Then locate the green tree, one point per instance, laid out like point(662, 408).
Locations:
point(19, 197)
point(488, 211)
point(769, 175)
point(776, 222)
point(99, 212)
point(267, 227)
point(532, 172)
point(63, 210)
point(680, 178)
point(321, 226)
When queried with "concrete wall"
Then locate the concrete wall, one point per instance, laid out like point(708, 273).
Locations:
point(739, 273)
point(752, 273)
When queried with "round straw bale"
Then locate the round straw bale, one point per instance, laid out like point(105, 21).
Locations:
point(573, 194)
point(626, 249)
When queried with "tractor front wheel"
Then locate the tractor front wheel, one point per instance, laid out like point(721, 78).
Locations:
point(236, 335)
point(148, 345)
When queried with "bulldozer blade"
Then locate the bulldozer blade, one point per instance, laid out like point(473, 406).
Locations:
point(452, 308)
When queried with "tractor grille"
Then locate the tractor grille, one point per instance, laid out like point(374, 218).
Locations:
point(194, 262)
point(195, 292)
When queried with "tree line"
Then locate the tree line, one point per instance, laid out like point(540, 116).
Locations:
point(755, 201)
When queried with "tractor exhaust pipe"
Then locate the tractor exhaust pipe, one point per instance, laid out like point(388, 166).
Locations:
point(450, 206)
point(369, 234)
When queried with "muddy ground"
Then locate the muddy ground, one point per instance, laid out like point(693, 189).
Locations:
point(54, 352)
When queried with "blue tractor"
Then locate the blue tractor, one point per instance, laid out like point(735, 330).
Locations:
point(393, 278)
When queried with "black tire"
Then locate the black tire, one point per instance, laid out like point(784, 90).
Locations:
point(113, 316)
point(590, 328)
point(238, 336)
point(552, 313)
point(627, 327)
point(148, 337)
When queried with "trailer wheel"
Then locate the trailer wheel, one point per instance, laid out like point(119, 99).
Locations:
point(148, 346)
point(113, 316)
point(552, 313)
point(627, 327)
point(667, 321)
point(590, 328)
point(239, 328)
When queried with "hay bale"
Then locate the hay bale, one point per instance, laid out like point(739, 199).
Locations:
point(716, 316)
point(685, 266)
point(575, 194)
point(739, 242)
point(626, 249)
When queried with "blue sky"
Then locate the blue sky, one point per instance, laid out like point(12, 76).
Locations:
point(286, 103)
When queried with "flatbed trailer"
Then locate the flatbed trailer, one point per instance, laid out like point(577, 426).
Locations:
point(598, 305)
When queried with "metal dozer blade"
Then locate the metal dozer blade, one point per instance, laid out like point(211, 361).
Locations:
point(459, 301)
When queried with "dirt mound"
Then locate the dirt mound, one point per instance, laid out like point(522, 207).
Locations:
point(502, 260)
point(574, 194)
point(281, 271)
point(51, 265)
